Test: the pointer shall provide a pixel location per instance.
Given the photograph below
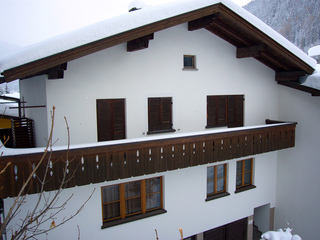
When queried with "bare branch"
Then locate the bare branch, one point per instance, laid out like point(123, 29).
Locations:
point(47, 207)
point(3, 170)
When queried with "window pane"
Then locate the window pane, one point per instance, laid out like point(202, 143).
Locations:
point(132, 189)
point(247, 166)
point(153, 185)
point(220, 171)
point(133, 205)
point(153, 201)
point(188, 61)
point(110, 194)
point(210, 187)
point(247, 178)
point(210, 173)
point(239, 166)
point(220, 185)
point(239, 180)
point(111, 210)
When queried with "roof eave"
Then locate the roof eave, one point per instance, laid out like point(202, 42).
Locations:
point(292, 59)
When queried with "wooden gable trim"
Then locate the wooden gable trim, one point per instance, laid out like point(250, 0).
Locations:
point(248, 29)
point(223, 22)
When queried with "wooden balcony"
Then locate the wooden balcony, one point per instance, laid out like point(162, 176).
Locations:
point(120, 159)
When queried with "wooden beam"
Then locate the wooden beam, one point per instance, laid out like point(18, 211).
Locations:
point(139, 43)
point(289, 76)
point(273, 62)
point(252, 51)
point(261, 36)
point(314, 92)
point(230, 35)
point(56, 72)
point(202, 22)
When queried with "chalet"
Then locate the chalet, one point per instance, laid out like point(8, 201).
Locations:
point(187, 115)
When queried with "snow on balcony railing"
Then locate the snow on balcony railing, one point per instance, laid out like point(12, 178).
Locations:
point(107, 161)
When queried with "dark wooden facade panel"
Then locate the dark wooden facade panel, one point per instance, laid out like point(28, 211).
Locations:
point(233, 231)
point(119, 161)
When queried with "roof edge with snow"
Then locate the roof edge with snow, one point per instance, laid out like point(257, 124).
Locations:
point(229, 21)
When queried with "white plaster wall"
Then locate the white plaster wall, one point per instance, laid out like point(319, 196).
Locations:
point(298, 194)
point(33, 92)
point(184, 200)
point(157, 72)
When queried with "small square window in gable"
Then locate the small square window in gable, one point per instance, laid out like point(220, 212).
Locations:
point(189, 62)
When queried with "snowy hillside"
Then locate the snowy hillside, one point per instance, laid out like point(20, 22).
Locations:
point(296, 20)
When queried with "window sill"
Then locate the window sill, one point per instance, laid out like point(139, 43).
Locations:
point(217, 126)
point(161, 131)
point(242, 189)
point(132, 218)
point(216, 196)
point(190, 69)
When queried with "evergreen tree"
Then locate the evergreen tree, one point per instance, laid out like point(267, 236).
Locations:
point(7, 90)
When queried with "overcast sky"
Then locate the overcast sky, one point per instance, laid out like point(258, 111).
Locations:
point(23, 22)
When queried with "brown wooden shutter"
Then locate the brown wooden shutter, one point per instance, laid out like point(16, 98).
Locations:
point(119, 119)
point(166, 113)
point(216, 111)
point(103, 120)
point(159, 114)
point(235, 111)
point(110, 119)
point(154, 114)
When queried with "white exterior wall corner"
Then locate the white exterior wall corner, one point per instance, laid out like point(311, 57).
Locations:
point(33, 92)
point(157, 72)
point(298, 194)
point(184, 200)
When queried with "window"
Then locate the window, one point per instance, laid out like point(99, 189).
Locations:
point(124, 201)
point(216, 181)
point(111, 119)
point(244, 174)
point(189, 62)
point(160, 115)
point(225, 110)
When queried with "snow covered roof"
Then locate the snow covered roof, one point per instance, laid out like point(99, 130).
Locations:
point(313, 81)
point(314, 51)
point(6, 106)
point(123, 24)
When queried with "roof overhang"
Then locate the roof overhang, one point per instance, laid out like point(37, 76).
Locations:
point(218, 18)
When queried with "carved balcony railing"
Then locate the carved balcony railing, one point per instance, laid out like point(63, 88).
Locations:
point(126, 158)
